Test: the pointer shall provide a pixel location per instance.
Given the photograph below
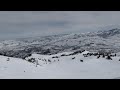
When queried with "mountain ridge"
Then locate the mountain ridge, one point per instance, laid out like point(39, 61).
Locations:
point(92, 41)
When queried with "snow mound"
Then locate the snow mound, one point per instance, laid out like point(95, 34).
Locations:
point(85, 52)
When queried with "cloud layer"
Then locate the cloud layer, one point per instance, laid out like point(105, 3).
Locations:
point(31, 23)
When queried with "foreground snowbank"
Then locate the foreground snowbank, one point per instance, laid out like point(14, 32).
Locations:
point(65, 68)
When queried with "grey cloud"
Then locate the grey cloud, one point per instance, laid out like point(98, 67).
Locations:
point(24, 23)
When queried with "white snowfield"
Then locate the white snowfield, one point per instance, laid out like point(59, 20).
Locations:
point(65, 68)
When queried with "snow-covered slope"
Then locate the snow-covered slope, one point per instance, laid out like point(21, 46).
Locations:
point(67, 67)
point(92, 41)
point(57, 56)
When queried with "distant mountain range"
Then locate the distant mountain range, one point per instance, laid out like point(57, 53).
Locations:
point(92, 41)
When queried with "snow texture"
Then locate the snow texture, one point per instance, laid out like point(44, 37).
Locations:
point(64, 68)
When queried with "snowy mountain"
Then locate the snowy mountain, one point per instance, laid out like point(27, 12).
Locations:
point(47, 45)
point(109, 33)
point(69, 56)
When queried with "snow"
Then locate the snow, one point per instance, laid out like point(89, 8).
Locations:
point(92, 41)
point(65, 68)
point(62, 66)
point(85, 52)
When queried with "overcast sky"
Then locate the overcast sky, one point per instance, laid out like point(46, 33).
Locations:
point(32, 23)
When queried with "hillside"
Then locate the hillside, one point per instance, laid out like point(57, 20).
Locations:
point(63, 67)
point(92, 41)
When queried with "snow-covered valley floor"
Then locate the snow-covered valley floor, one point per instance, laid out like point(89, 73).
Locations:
point(65, 68)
